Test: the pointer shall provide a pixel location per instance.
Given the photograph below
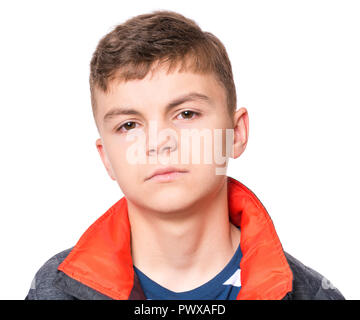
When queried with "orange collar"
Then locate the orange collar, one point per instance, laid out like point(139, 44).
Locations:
point(102, 257)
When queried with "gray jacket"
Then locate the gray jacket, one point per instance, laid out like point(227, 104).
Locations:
point(100, 265)
point(51, 284)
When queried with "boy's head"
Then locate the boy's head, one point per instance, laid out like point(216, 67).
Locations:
point(161, 72)
point(134, 47)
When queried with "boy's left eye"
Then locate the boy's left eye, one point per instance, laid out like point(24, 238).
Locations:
point(188, 114)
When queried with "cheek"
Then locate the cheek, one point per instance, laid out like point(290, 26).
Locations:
point(126, 148)
point(227, 139)
point(118, 158)
point(221, 138)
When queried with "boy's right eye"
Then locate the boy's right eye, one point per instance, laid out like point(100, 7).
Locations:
point(127, 126)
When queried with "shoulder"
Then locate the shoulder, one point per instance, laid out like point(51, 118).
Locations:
point(308, 284)
point(42, 287)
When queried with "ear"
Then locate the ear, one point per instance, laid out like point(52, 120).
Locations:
point(241, 132)
point(104, 158)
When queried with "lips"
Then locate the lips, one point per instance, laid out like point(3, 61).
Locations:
point(163, 171)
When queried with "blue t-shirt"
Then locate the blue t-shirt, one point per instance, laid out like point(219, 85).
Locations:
point(224, 286)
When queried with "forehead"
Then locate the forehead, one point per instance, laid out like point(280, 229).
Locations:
point(158, 88)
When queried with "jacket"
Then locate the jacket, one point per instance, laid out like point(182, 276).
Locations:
point(99, 266)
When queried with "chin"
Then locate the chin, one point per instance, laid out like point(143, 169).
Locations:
point(171, 200)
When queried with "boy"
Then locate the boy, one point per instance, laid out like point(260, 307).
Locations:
point(183, 230)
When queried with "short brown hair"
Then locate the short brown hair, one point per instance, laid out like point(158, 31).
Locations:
point(131, 49)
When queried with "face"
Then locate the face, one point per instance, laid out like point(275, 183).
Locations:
point(151, 120)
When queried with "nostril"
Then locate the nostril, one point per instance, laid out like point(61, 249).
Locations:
point(151, 151)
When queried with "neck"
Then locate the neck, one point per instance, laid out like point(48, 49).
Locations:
point(184, 244)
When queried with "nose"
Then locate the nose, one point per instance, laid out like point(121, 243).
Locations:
point(161, 139)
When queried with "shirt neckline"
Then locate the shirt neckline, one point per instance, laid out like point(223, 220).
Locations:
point(202, 291)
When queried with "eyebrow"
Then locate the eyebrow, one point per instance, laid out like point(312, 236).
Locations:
point(192, 96)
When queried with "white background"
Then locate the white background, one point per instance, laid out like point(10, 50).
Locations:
point(297, 71)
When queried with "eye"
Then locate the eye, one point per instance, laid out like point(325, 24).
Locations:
point(127, 126)
point(188, 114)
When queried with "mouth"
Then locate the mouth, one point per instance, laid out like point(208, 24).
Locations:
point(166, 175)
